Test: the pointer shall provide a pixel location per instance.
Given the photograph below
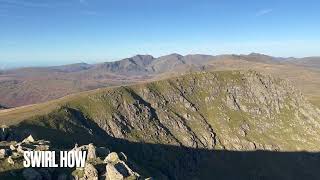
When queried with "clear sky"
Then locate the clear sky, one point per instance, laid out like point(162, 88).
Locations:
point(47, 32)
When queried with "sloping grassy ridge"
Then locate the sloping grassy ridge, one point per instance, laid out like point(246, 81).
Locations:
point(227, 110)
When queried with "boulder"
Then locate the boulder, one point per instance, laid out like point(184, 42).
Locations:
point(31, 174)
point(4, 153)
point(90, 172)
point(21, 149)
point(81, 148)
point(42, 147)
point(12, 147)
point(123, 169)
point(91, 152)
point(16, 154)
point(112, 158)
point(10, 160)
point(29, 139)
point(43, 142)
point(112, 173)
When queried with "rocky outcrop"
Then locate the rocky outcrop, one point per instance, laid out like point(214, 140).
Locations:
point(29, 139)
point(208, 110)
point(115, 168)
point(91, 152)
point(90, 172)
point(112, 158)
point(10, 160)
point(112, 173)
point(13, 155)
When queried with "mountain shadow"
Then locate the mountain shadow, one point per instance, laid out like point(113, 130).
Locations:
point(190, 127)
point(177, 162)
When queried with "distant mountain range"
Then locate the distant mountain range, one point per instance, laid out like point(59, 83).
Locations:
point(38, 84)
point(313, 62)
point(140, 64)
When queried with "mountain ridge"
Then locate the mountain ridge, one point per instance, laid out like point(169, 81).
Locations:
point(257, 56)
point(172, 85)
point(33, 85)
point(210, 111)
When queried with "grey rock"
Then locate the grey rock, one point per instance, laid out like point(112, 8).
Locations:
point(21, 149)
point(91, 152)
point(10, 160)
point(90, 172)
point(42, 147)
point(112, 158)
point(112, 173)
point(29, 139)
point(4, 153)
point(12, 147)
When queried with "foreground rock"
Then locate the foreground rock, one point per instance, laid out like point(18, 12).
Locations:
point(112, 158)
point(115, 169)
point(13, 156)
point(90, 173)
point(91, 152)
point(29, 139)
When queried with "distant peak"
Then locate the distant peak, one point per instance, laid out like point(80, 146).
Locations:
point(143, 56)
point(175, 54)
point(256, 54)
point(172, 55)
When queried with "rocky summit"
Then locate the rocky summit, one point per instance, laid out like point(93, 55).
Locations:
point(100, 163)
point(204, 125)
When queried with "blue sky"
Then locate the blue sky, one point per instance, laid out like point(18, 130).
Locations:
point(49, 32)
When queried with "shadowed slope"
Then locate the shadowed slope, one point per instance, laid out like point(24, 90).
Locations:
point(177, 162)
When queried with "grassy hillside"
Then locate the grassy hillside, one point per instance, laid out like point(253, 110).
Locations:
point(226, 110)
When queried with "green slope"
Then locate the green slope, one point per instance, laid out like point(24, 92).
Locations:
point(227, 110)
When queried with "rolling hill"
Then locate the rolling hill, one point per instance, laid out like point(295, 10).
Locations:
point(312, 62)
